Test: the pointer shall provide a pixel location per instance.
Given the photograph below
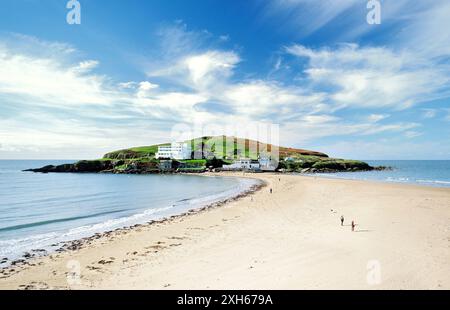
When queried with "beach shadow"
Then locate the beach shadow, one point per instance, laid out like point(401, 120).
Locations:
point(363, 230)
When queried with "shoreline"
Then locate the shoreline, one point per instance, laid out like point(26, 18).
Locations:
point(248, 210)
point(413, 184)
point(75, 244)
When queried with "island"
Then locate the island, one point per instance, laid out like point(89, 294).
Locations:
point(217, 153)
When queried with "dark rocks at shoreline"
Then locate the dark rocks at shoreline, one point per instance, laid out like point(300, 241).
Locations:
point(148, 166)
point(102, 166)
point(352, 169)
point(383, 168)
point(84, 166)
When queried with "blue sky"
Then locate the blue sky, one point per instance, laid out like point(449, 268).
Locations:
point(134, 69)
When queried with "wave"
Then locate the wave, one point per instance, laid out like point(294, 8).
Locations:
point(433, 181)
point(14, 248)
point(54, 221)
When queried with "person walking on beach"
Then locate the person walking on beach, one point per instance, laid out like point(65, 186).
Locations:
point(271, 191)
point(353, 225)
point(342, 220)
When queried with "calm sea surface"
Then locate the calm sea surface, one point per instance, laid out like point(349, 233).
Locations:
point(420, 172)
point(39, 210)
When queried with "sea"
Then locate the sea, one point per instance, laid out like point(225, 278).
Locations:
point(434, 173)
point(42, 211)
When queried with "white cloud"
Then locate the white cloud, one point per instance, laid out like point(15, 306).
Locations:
point(128, 85)
point(307, 16)
point(171, 106)
point(374, 77)
point(147, 86)
point(412, 134)
point(308, 128)
point(395, 148)
point(86, 66)
point(259, 99)
point(374, 118)
point(214, 63)
point(224, 38)
point(200, 71)
point(51, 103)
point(145, 89)
point(429, 113)
point(426, 30)
point(49, 79)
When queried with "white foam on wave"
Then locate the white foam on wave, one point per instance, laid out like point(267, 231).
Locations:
point(433, 181)
point(14, 248)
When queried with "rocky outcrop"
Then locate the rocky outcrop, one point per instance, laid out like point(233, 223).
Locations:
point(328, 165)
point(146, 166)
point(84, 166)
point(103, 166)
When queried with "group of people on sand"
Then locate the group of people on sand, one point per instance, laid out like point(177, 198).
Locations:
point(353, 223)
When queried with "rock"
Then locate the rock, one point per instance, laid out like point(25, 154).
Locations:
point(27, 255)
point(117, 163)
point(382, 168)
point(92, 166)
point(46, 169)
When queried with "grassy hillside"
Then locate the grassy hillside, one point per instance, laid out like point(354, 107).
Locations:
point(219, 147)
point(135, 152)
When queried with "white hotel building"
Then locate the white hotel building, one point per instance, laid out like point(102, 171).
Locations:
point(177, 150)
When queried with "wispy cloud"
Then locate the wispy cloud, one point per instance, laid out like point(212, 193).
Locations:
point(429, 113)
point(412, 134)
point(48, 79)
point(448, 115)
point(374, 76)
point(307, 16)
point(426, 30)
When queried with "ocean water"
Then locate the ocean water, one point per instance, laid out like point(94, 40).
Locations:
point(420, 172)
point(38, 211)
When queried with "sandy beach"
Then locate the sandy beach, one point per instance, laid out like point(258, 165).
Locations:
point(290, 239)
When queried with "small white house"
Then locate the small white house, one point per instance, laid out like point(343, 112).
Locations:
point(243, 164)
point(177, 150)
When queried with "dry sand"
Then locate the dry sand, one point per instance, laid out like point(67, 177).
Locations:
point(291, 239)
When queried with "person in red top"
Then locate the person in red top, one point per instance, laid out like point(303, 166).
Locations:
point(353, 225)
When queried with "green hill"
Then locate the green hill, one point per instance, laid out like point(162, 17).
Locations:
point(209, 152)
point(216, 147)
